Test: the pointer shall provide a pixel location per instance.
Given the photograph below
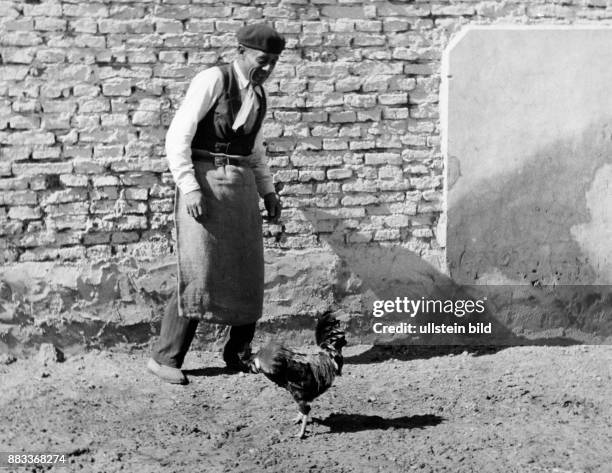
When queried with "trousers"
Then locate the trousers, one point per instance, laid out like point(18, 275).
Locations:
point(177, 333)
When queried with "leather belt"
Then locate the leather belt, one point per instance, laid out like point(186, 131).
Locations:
point(219, 159)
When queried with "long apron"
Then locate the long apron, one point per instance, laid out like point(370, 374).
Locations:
point(220, 259)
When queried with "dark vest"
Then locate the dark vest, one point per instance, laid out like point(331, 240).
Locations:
point(214, 132)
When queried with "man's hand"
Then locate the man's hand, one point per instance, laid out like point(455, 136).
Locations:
point(194, 201)
point(273, 207)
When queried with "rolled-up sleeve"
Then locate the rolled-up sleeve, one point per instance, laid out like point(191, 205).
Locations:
point(258, 161)
point(204, 90)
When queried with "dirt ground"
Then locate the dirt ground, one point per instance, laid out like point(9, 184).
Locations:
point(521, 409)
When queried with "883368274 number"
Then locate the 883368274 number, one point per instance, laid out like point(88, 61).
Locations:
point(14, 459)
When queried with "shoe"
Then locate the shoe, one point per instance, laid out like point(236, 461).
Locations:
point(167, 373)
point(237, 361)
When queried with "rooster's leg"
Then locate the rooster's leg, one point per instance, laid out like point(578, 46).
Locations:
point(303, 418)
point(302, 433)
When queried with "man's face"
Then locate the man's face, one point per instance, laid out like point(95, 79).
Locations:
point(258, 65)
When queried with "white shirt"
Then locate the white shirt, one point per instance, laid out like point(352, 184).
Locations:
point(204, 90)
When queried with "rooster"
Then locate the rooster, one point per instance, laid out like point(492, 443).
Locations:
point(305, 376)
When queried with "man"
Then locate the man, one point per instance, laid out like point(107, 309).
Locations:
point(216, 155)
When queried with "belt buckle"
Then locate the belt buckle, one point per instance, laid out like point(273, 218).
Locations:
point(221, 161)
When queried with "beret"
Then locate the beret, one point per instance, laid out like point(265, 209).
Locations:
point(261, 37)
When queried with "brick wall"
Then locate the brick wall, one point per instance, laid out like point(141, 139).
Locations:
point(87, 91)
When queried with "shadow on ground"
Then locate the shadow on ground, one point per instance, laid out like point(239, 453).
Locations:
point(359, 422)
point(380, 353)
point(208, 371)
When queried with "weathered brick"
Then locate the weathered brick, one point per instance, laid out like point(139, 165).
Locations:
point(101, 193)
point(553, 11)
point(64, 196)
point(73, 208)
point(22, 212)
point(306, 175)
point(104, 135)
point(362, 236)
point(17, 197)
point(246, 13)
point(335, 144)
point(20, 38)
point(87, 10)
point(13, 73)
point(125, 207)
point(346, 212)
point(360, 185)
point(100, 181)
point(422, 232)
point(50, 24)
point(98, 252)
point(50, 8)
point(373, 159)
point(8, 10)
point(393, 25)
point(72, 180)
point(288, 27)
point(316, 116)
point(138, 194)
point(117, 87)
point(146, 118)
point(393, 99)
point(390, 172)
point(362, 144)
point(13, 184)
point(295, 130)
point(114, 119)
point(360, 100)
point(343, 12)
point(160, 221)
point(370, 40)
point(131, 222)
point(341, 173)
point(56, 121)
point(351, 130)
point(83, 25)
point(342, 117)
point(53, 239)
point(370, 26)
point(395, 113)
point(202, 57)
point(26, 169)
point(94, 105)
point(426, 110)
point(67, 221)
point(141, 56)
point(96, 238)
point(44, 152)
point(46, 254)
point(304, 158)
point(391, 221)
point(21, 122)
point(18, 55)
point(174, 57)
point(25, 106)
point(387, 234)
point(161, 205)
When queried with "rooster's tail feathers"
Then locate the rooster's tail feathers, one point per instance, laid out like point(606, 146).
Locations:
point(328, 332)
